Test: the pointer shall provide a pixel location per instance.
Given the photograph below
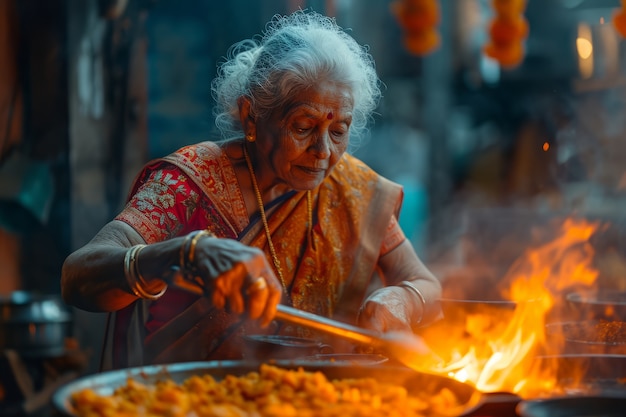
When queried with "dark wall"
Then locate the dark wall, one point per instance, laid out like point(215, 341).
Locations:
point(34, 174)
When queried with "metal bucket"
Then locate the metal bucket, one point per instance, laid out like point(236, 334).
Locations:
point(34, 324)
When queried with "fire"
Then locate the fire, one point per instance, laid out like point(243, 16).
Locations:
point(496, 347)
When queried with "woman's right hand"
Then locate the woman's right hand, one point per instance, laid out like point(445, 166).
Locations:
point(93, 276)
point(237, 277)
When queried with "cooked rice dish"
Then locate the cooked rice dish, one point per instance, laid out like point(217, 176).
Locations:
point(272, 391)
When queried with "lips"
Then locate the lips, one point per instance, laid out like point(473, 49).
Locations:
point(313, 170)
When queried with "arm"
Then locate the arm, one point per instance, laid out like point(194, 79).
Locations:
point(397, 306)
point(93, 277)
point(403, 264)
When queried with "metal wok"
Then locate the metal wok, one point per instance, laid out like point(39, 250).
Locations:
point(423, 384)
point(585, 406)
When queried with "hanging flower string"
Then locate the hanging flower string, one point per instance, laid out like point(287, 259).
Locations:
point(419, 20)
point(508, 30)
point(619, 19)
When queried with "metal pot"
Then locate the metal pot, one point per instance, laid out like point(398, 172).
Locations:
point(591, 406)
point(587, 374)
point(416, 383)
point(456, 310)
point(453, 306)
point(34, 324)
point(607, 304)
point(588, 336)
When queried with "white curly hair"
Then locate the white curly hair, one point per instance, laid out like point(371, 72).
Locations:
point(294, 52)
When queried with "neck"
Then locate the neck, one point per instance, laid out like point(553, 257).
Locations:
point(270, 190)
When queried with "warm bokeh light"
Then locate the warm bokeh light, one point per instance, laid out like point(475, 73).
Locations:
point(546, 146)
point(585, 48)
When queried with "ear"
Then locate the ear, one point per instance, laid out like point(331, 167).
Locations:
point(246, 118)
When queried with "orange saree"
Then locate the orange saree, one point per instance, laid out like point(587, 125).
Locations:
point(327, 273)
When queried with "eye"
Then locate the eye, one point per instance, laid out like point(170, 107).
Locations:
point(339, 135)
point(302, 128)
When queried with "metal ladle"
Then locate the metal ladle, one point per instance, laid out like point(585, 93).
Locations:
point(406, 347)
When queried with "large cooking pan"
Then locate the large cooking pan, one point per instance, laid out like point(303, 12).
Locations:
point(419, 383)
point(596, 304)
point(589, 336)
point(585, 406)
point(587, 374)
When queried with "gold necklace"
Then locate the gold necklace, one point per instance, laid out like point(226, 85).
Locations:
point(259, 200)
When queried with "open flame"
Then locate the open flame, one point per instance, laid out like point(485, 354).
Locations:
point(495, 348)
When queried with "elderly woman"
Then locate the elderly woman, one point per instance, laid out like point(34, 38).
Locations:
point(277, 212)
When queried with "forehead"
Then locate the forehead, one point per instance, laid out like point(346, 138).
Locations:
point(321, 99)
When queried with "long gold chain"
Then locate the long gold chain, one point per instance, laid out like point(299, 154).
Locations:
point(259, 200)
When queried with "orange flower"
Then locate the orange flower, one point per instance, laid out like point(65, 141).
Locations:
point(619, 21)
point(422, 42)
point(419, 19)
point(509, 8)
point(505, 30)
point(508, 56)
point(416, 14)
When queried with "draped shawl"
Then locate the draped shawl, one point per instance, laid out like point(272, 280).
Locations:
point(327, 273)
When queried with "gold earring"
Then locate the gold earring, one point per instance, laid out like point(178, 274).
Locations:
point(250, 137)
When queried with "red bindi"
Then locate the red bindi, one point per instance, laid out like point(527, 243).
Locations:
point(330, 116)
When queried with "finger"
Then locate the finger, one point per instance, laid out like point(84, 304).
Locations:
point(239, 295)
point(370, 318)
point(221, 291)
point(257, 295)
point(274, 294)
point(365, 314)
point(236, 303)
point(235, 298)
point(258, 284)
point(219, 301)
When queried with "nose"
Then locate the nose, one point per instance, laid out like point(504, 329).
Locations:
point(321, 146)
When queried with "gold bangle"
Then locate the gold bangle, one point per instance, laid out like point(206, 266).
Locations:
point(411, 286)
point(140, 282)
point(181, 253)
point(192, 247)
point(129, 266)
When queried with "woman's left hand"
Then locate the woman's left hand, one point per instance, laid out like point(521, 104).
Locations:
point(387, 309)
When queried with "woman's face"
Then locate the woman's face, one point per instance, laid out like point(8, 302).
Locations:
point(301, 143)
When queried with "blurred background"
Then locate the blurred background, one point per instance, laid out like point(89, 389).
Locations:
point(489, 154)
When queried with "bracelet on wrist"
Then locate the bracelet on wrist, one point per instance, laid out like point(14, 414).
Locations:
point(192, 246)
point(135, 280)
point(181, 253)
point(413, 288)
point(187, 253)
point(143, 284)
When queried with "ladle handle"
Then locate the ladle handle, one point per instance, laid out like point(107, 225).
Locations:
point(323, 324)
point(295, 316)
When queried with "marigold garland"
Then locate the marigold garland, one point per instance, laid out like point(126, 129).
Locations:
point(507, 31)
point(419, 20)
point(619, 19)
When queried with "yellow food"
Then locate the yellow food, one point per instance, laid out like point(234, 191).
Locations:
point(272, 391)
